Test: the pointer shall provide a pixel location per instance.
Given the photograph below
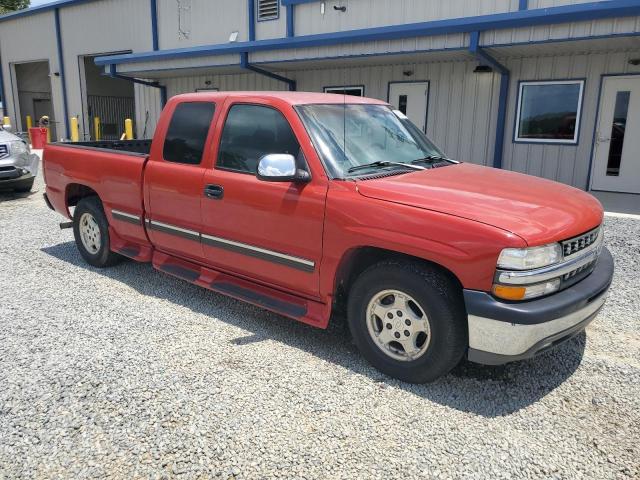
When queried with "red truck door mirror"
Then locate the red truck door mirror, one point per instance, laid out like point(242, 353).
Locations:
point(280, 167)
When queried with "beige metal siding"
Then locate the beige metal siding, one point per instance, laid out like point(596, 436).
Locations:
point(272, 28)
point(373, 13)
point(187, 23)
point(107, 26)
point(565, 163)
point(147, 110)
point(30, 38)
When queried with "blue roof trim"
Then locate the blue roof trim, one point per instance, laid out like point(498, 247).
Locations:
point(42, 8)
point(297, 2)
point(522, 18)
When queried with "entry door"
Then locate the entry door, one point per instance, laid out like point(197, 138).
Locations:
point(267, 231)
point(411, 98)
point(616, 163)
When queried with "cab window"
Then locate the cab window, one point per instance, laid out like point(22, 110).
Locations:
point(187, 132)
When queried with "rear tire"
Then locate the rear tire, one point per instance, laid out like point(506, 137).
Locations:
point(91, 232)
point(408, 320)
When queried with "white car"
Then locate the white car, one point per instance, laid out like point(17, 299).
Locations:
point(18, 166)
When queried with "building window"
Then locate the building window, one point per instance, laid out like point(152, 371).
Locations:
point(187, 134)
point(356, 90)
point(549, 112)
point(268, 10)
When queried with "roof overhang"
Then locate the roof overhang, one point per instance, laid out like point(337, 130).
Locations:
point(523, 18)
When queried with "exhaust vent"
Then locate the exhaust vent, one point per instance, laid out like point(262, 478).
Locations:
point(267, 9)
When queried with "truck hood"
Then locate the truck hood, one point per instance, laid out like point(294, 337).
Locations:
point(537, 210)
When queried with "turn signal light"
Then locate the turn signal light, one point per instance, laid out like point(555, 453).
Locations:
point(509, 293)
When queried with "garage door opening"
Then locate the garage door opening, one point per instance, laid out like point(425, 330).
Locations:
point(33, 85)
point(112, 100)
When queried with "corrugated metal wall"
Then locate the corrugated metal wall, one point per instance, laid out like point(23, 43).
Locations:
point(25, 39)
point(185, 23)
point(564, 163)
point(373, 13)
point(97, 28)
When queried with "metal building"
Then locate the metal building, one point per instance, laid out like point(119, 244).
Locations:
point(545, 87)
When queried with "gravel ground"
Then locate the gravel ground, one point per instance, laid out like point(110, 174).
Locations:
point(130, 373)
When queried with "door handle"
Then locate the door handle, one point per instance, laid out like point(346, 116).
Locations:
point(216, 192)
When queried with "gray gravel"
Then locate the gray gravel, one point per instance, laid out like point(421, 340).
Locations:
point(129, 373)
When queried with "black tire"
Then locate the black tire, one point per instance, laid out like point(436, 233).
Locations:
point(440, 298)
point(25, 188)
point(103, 257)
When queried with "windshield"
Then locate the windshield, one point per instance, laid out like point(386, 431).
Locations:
point(352, 136)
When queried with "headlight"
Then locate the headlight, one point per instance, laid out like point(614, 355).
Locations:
point(18, 147)
point(526, 292)
point(529, 258)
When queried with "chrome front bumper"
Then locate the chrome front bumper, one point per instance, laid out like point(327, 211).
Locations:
point(501, 332)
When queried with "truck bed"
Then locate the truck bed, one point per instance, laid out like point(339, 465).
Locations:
point(141, 147)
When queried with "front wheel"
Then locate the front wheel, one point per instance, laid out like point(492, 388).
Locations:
point(91, 232)
point(408, 320)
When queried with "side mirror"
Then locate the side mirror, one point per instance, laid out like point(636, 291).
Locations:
point(280, 167)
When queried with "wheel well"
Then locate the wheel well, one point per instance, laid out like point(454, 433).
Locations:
point(76, 192)
point(358, 260)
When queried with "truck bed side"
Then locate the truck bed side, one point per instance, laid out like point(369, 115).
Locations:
point(114, 175)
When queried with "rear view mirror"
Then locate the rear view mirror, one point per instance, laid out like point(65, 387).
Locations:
point(280, 167)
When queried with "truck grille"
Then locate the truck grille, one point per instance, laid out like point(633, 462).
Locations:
point(579, 243)
point(4, 151)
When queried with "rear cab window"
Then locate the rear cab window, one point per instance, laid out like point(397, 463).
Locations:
point(187, 133)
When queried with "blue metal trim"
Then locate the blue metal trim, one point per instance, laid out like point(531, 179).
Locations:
point(154, 25)
point(503, 99)
point(251, 9)
point(514, 136)
point(428, 82)
point(291, 31)
point(547, 16)
point(595, 127)
point(63, 81)
point(524, 5)
point(244, 63)
point(297, 2)
point(163, 89)
point(2, 92)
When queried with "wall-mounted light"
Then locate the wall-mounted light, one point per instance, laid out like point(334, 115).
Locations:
point(340, 9)
point(634, 61)
point(408, 73)
point(207, 82)
point(233, 37)
point(483, 69)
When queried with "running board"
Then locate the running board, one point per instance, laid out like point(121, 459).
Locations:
point(301, 309)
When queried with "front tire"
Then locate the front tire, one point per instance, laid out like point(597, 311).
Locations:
point(408, 320)
point(91, 232)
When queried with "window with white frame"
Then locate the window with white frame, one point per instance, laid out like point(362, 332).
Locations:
point(549, 112)
point(354, 90)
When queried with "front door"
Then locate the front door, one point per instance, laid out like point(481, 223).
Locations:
point(616, 162)
point(411, 98)
point(270, 232)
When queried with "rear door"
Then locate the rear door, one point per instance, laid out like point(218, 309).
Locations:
point(173, 180)
point(270, 232)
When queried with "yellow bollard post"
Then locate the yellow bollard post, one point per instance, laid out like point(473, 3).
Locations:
point(128, 129)
point(75, 130)
point(6, 121)
point(29, 122)
point(96, 129)
point(48, 135)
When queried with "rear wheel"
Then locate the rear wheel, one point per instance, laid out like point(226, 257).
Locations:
point(91, 232)
point(408, 320)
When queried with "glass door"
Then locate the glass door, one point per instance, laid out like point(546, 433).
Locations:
point(616, 163)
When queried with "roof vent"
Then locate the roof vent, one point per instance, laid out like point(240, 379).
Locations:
point(267, 9)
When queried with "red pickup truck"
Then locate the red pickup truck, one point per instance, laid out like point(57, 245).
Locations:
point(308, 204)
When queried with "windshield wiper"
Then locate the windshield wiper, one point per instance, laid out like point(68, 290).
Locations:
point(384, 163)
point(433, 159)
